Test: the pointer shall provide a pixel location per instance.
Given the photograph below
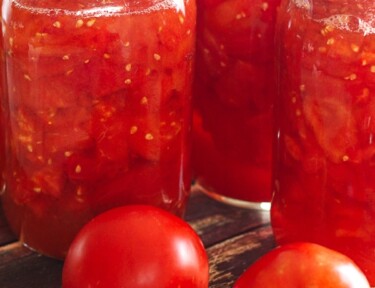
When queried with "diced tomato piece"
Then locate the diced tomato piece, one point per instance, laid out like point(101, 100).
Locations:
point(242, 83)
point(330, 117)
point(40, 181)
point(125, 188)
point(153, 137)
point(245, 31)
point(82, 167)
point(110, 126)
point(48, 180)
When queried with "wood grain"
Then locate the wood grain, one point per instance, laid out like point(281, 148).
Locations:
point(234, 238)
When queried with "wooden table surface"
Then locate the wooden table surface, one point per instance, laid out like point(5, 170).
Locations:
point(234, 238)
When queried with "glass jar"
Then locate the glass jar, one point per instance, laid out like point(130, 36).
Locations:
point(233, 99)
point(99, 104)
point(325, 154)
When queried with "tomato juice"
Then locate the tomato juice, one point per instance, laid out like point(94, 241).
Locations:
point(325, 154)
point(99, 104)
point(233, 98)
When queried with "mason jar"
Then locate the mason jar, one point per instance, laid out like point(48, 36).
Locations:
point(99, 112)
point(324, 168)
point(233, 100)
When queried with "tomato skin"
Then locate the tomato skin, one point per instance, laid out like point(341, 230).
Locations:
point(303, 264)
point(136, 246)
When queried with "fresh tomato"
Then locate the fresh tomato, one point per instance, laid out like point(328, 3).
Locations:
point(303, 264)
point(136, 246)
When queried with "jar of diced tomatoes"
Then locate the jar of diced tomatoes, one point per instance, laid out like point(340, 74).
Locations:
point(99, 104)
point(233, 99)
point(325, 154)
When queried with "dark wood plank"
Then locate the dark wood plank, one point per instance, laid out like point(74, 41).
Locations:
point(32, 271)
point(230, 258)
point(234, 238)
point(13, 252)
point(20, 267)
point(215, 221)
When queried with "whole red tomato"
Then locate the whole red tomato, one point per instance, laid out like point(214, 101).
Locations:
point(136, 246)
point(303, 265)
